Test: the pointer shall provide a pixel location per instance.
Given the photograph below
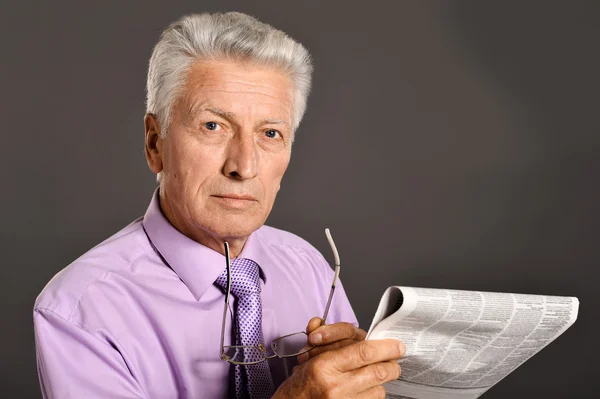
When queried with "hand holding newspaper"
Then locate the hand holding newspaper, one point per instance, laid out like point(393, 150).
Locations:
point(460, 343)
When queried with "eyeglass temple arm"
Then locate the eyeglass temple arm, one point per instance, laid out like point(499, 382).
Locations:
point(335, 275)
point(226, 298)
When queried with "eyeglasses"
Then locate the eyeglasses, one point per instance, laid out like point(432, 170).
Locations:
point(287, 346)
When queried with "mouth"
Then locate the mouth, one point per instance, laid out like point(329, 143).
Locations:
point(236, 197)
point(235, 201)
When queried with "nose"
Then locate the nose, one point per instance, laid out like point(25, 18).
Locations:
point(242, 160)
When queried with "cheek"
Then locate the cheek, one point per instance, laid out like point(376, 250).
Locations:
point(276, 172)
point(191, 174)
point(194, 161)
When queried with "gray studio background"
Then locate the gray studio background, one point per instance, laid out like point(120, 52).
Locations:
point(446, 144)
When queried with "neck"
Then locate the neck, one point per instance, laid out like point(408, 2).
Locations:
point(235, 246)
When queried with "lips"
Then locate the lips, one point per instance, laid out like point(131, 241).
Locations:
point(236, 197)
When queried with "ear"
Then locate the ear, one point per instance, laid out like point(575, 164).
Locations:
point(153, 143)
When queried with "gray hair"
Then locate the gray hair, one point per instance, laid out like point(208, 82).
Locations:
point(229, 36)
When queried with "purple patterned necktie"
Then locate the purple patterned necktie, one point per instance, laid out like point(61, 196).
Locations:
point(253, 381)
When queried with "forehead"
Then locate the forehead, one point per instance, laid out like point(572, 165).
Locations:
point(237, 87)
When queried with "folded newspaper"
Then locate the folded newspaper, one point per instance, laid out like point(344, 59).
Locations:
point(461, 343)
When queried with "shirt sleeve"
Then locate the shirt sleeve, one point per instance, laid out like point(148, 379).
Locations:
point(72, 363)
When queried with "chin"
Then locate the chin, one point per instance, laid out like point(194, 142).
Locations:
point(236, 229)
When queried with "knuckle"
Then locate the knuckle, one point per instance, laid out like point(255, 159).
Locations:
point(316, 366)
point(346, 330)
point(366, 352)
point(334, 392)
point(349, 327)
point(380, 372)
point(311, 368)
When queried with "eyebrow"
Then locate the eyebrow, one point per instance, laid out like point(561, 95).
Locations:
point(273, 121)
point(218, 112)
point(195, 111)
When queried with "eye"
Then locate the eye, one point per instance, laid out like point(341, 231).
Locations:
point(272, 133)
point(211, 125)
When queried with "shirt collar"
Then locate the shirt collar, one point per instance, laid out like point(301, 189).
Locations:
point(196, 265)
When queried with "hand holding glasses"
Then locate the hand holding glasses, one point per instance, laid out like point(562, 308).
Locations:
point(287, 346)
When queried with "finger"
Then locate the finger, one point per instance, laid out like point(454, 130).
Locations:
point(372, 376)
point(336, 332)
point(316, 350)
point(364, 353)
point(313, 324)
point(377, 392)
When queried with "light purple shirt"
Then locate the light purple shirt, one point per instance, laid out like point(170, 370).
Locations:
point(139, 315)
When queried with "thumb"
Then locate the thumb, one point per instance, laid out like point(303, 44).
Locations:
point(313, 324)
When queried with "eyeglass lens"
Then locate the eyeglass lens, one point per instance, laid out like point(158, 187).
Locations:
point(288, 346)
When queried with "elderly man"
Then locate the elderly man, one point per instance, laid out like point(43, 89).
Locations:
point(141, 314)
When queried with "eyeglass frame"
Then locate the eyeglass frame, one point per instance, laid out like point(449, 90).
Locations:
point(261, 346)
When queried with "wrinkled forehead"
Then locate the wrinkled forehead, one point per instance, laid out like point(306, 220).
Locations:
point(235, 87)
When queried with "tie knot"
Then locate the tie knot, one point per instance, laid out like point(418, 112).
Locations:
point(245, 278)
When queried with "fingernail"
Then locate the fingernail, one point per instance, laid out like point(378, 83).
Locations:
point(315, 339)
point(402, 348)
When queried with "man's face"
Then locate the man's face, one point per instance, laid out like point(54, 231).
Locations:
point(227, 148)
